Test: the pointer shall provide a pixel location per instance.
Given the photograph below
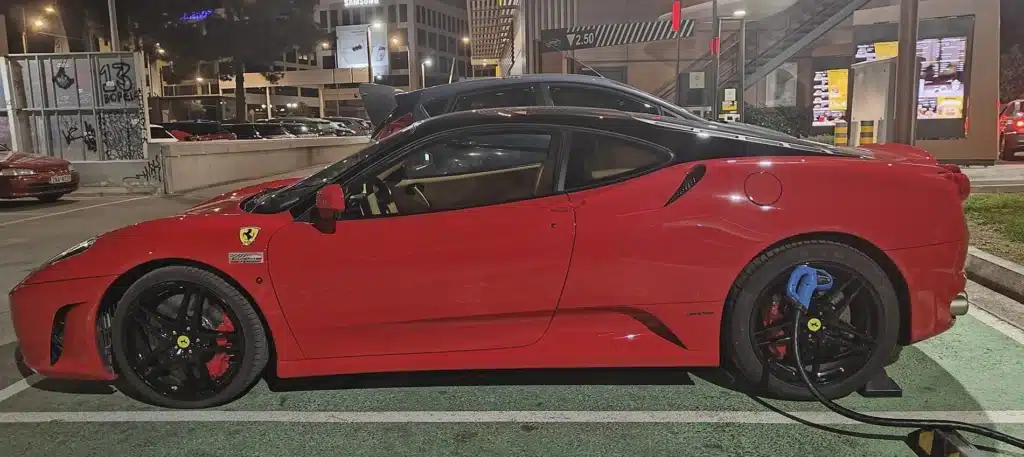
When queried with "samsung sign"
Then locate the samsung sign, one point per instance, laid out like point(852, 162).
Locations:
point(350, 3)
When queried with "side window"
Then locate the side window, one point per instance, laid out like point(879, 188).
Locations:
point(511, 96)
point(436, 107)
point(159, 133)
point(460, 171)
point(597, 98)
point(596, 159)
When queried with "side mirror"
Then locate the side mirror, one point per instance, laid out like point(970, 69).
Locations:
point(330, 204)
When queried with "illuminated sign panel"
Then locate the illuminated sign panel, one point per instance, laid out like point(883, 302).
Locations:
point(941, 89)
point(351, 3)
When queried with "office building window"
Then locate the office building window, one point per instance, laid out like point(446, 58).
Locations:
point(421, 37)
point(399, 60)
point(403, 13)
point(392, 14)
point(378, 14)
point(400, 80)
point(419, 14)
point(451, 45)
point(357, 17)
point(310, 92)
point(334, 18)
point(323, 20)
point(399, 38)
point(328, 62)
point(442, 44)
point(432, 40)
point(290, 56)
point(346, 17)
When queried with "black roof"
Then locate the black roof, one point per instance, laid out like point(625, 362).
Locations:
point(607, 119)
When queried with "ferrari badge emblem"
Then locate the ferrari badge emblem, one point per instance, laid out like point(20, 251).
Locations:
point(183, 342)
point(247, 235)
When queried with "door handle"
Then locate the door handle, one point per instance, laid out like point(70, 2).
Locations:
point(565, 208)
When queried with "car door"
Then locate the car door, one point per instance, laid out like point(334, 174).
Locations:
point(481, 266)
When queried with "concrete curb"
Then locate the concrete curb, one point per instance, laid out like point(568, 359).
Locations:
point(996, 273)
point(986, 188)
point(107, 191)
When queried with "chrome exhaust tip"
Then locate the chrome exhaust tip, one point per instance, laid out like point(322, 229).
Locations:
point(960, 305)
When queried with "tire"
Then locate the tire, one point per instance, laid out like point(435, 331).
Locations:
point(256, 350)
point(50, 198)
point(741, 353)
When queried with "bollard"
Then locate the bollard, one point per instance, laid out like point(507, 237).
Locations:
point(841, 134)
point(867, 132)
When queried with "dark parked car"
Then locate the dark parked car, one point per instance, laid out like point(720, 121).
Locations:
point(391, 110)
point(260, 131)
point(360, 126)
point(297, 129)
point(199, 131)
point(322, 127)
point(43, 177)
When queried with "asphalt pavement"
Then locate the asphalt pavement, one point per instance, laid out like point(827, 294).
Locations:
point(972, 373)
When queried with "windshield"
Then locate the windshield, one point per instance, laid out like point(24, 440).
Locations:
point(286, 197)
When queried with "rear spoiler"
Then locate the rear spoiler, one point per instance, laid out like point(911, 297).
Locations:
point(900, 152)
point(379, 101)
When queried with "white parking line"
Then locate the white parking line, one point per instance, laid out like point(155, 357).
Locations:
point(18, 387)
point(2, 224)
point(678, 417)
point(998, 324)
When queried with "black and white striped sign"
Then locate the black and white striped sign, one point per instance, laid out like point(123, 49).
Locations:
point(596, 36)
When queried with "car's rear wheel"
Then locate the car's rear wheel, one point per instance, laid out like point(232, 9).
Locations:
point(185, 338)
point(859, 315)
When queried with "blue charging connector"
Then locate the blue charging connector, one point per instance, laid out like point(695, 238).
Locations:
point(804, 282)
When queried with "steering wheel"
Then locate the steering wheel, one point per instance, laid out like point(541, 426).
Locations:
point(385, 199)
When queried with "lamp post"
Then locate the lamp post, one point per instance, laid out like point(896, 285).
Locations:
point(423, 72)
point(37, 23)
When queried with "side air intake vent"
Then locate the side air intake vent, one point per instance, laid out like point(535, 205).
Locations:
point(691, 179)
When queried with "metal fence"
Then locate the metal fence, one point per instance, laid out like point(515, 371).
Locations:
point(82, 107)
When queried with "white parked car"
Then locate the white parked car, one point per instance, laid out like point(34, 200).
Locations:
point(158, 134)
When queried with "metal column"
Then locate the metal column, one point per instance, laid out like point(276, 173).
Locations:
point(115, 41)
point(716, 33)
point(906, 75)
point(740, 98)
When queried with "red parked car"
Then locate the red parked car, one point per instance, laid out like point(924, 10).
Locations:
point(199, 131)
point(1011, 130)
point(43, 177)
point(519, 238)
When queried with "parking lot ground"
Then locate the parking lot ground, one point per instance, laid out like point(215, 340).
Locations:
point(970, 373)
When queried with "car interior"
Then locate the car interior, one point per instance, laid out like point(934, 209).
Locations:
point(460, 173)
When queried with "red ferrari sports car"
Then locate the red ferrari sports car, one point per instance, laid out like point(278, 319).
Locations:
point(519, 238)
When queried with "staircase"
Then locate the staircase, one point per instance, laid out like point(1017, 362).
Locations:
point(794, 29)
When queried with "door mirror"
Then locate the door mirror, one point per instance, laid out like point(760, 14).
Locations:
point(330, 204)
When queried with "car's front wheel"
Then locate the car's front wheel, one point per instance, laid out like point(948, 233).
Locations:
point(856, 330)
point(185, 338)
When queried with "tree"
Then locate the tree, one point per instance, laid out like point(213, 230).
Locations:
point(248, 33)
point(1011, 74)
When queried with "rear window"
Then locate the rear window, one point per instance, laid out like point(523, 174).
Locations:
point(499, 98)
point(270, 129)
point(436, 107)
point(159, 133)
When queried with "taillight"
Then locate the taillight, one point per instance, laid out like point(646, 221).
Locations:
point(394, 126)
point(963, 183)
point(1019, 126)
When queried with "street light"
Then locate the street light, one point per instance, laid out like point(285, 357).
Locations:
point(465, 39)
point(325, 44)
point(38, 23)
point(739, 13)
point(49, 9)
point(161, 51)
point(423, 72)
point(199, 79)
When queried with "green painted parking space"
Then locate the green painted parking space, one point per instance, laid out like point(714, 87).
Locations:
point(461, 439)
point(953, 372)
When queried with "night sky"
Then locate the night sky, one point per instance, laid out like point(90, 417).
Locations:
point(1012, 23)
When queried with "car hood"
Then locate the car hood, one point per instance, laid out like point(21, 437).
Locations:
point(229, 201)
point(31, 161)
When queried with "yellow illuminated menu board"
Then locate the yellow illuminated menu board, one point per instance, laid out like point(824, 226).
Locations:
point(830, 97)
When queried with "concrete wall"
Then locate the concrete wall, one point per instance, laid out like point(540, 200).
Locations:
point(195, 165)
point(982, 140)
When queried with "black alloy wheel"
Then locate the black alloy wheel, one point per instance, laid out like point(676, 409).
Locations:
point(843, 320)
point(184, 338)
point(847, 336)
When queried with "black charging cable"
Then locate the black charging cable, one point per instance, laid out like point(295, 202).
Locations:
point(885, 421)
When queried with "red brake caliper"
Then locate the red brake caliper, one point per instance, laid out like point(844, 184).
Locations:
point(772, 317)
point(218, 365)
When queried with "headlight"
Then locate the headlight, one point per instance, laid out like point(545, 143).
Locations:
point(16, 172)
point(72, 251)
point(71, 167)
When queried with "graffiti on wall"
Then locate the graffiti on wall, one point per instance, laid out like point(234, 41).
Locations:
point(117, 84)
point(123, 133)
point(152, 173)
point(71, 131)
